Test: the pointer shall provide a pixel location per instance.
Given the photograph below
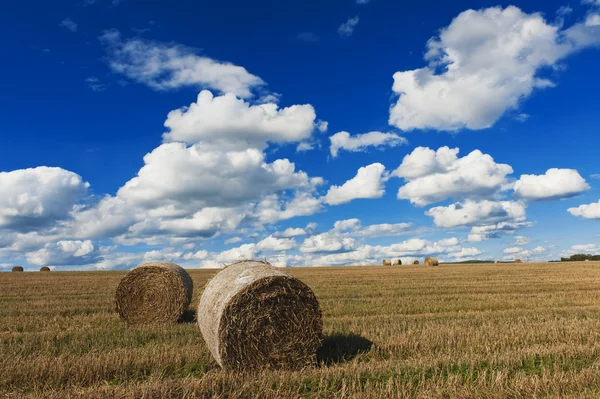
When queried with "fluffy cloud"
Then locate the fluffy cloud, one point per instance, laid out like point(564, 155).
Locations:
point(234, 123)
point(177, 178)
point(39, 197)
point(276, 244)
point(296, 231)
point(585, 248)
point(587, 211)
point(472, 213)
point(347, 28)
point(360, 142)
point(327, 242)
point(554, 184)
point(63, 253)
point(434, 176)
point(521, 240)
point(165, 67)
point(368, 183)
point(68, 23)
point(484, 233)
point(355, 228)
point(480, 66)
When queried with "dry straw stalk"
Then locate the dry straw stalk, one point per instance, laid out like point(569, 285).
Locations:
point(253, 315)
point(155, 292)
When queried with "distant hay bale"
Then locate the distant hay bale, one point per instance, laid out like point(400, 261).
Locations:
point(386, 262)
point(17, 269)
point(398, 262)
point(254, 315)
point(431, 262)
point(45, 269)
point(415, 262)
point(155, 292)
point(518, 261)
point(497, 261)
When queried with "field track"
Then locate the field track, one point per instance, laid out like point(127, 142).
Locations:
point(453, 331)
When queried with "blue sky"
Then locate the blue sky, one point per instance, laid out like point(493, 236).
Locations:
point(309, 133)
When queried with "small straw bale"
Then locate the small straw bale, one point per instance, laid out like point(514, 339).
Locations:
point(431, 262)
point(17, 269)
point(398, 262)
point(518, 261)
point(45, 269)
point(155, 292)
point(253, 315)
point(386, 262)
point(415, 262)
point(497, 261)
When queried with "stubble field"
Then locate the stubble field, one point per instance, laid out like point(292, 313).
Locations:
point(455, 331)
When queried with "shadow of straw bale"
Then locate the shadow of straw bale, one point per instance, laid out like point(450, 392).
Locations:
point(339, 348)
point(188, 316)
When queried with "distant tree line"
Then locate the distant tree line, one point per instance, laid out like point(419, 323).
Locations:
point(580, 258)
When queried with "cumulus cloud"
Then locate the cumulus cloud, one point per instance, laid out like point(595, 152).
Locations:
point(63, 253)
point(481, 65)
point(347, 28)
point(434, 176)
point(38, 197)
point(164, 67)
point(361, 142)
point(554, 184)
point(234, 123)
point(368, 183)
point(327, 242)
point(471, 213)
point(292, 232)
point(272, 243)
point(586, 211)
point(489, 232)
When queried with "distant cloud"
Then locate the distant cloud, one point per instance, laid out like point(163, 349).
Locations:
point(94, 84)
point(308, 37)
point(361, 142)
point(68, 23)
point(169, 66)
point(586, 211)
point(347, 28)
point(369, 182)
point(595, 176)
point(362, 1)
point(554, 184)
point(564, 10)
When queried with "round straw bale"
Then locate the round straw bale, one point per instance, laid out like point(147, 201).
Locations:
point(398, 262)
point(497, 261)
point(155, 292)
point(518, 261)
point(45, 269)
point(254, 315)
point(415, 262)
point(17, 269)
point(386, 262)
point(431, 262)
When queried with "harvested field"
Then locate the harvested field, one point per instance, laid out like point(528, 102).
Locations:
point(466, 331)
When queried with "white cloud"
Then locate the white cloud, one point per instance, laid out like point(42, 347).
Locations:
point(38, 197)
point(586, 211)
point(233, 123)
point(68, 23)
point(63, 253)
point(481, 65)
point(368, 183)
point(347, 28)
point(521, 240)
point(165, 67)
point(592, 20)
point(292, 232)
point(327, 242)
point(586, 248)
point(513, 250)
point(94, 84)
point(472, 213)
point(234, 240)
point(361, 142)
point(276, 244)
point(484, 233)
point(436, 176)
point(246, 251)
point(554, 184)
point(347, 225)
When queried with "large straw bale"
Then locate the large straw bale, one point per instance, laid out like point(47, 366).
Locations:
point(253, 315)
